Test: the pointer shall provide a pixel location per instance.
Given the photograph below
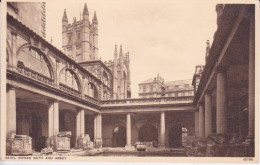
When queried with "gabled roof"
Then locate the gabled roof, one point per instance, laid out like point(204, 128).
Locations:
point(147, 81)
point(178, 82)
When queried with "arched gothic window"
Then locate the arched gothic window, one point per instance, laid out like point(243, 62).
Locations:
point(69, 78)
point(91, 91)
point(34, 60)
point(105, 95)
point(105, 78)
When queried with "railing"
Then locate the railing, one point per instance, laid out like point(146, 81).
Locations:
point(69, 90)
point(34, 75)
point(158, 100)
point(50, 82)
point(90, 99)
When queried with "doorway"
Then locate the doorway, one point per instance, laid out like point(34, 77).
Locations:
point(119, 136)
point(175, 136)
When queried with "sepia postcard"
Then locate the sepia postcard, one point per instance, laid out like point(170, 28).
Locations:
point(134, 81)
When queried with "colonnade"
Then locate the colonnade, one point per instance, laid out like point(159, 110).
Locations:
point(204, 115)
point(162, 130)
point(53, 120)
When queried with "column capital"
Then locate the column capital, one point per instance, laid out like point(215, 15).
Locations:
point(221, 69)
point(208, 92)
point(51, 100)
point(79, 109)
point(11, 87)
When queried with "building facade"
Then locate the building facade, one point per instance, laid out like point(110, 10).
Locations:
point(120, 68)
point(28, 14)
point(48, 91)
point(225, 89)
point(157, 88)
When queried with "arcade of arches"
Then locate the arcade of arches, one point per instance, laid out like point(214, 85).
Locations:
point(113, 129)
point(147, 128)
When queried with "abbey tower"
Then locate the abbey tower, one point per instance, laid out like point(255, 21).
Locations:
point(80, 38)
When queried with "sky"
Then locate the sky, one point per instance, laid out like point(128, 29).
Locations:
point(165, 37)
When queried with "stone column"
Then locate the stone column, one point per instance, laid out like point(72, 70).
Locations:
point(201, 121)
point(56, 117)
point(99, 131)
point(196, 123)
point(50, 121)
point(53, 123)
point(82, 122)
point(221, 112)
point(162, 132)
point(251, 88)
point(11, 112)
point(128, 129)
point(208, 114)
point(80, 131)
point(10, 118)
point(95, 127)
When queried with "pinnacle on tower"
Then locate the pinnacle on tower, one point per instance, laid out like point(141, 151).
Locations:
point(115, 52)
point(94, 20)
point(85, 10)
point(121, 51)
point(121, 56)
point(64, 18)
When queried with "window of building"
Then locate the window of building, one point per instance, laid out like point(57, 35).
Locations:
point(78, 34)
point(186, 85)
point(34, 60)
point(190, 93)
point(78, 57)
point(69, 78)
point(151, 88)
point(176, 86)
point(105, 95)
point(169, 94)
point(105, 78)
point(91, 90)
point(69, 37)
point(78, 46)
point(144, 88)
point(182, 93)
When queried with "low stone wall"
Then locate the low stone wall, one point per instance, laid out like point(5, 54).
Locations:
point(219, 145)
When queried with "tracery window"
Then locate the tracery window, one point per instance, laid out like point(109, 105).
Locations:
point(35, 61)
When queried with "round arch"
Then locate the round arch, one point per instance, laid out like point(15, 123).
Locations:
point(148, 133)
point(91, 90)
point(119, 136)
point(175, 135)
point(41, 53)
point(105, 78)
point(77, 78)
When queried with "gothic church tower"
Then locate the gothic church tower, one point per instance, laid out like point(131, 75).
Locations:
point(120, 67)
point(80, 38)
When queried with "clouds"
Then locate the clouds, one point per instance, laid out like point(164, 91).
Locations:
point(166, 37)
